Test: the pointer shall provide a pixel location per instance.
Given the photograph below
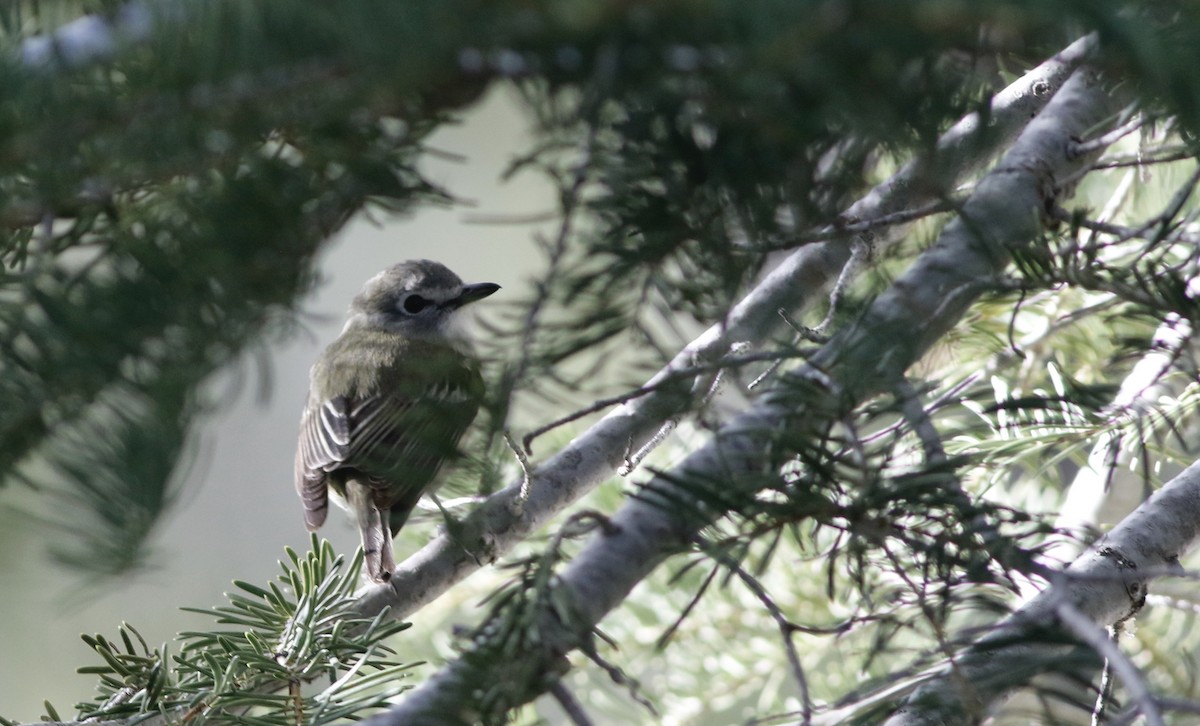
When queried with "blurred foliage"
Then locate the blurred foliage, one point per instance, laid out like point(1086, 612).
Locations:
point(161, 210)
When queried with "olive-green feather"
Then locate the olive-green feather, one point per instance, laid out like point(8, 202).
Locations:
point(390, 413)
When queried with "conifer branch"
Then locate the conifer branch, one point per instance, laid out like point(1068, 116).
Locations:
point(796, 283)
point(271, 644)
point(1106, 585)
point(1004, 214)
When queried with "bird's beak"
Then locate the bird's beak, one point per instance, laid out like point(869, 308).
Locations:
point(471, 293)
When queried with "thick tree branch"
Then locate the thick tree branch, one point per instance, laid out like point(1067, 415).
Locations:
point(1094, 487)
point(1004, 214)
point(1105, 585)
point(1104, 484)
point(800, 280)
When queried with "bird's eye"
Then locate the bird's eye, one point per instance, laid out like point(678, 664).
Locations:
point(414, 304)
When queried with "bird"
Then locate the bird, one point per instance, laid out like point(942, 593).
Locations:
point(388, 402)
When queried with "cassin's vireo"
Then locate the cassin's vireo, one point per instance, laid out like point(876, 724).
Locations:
point(388, 402)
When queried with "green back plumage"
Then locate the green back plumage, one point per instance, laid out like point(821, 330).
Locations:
point(363, 362)
point(405, 402)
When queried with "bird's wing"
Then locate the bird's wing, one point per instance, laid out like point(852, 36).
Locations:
point(401, 441)
point(325, 436)
point(397, 441)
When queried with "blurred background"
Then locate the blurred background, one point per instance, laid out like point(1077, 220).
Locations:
point(237, 508)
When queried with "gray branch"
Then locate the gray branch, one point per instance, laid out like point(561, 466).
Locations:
point(800, 280)
point(1105, 585)
point(992, 672)
point(1104, 491)
point(1004, 214)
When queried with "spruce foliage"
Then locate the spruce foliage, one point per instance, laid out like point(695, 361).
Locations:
point(906, 410)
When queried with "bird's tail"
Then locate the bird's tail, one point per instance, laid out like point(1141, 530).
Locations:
point(376, 535)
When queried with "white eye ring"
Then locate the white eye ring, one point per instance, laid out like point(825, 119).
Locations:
point(413, 304)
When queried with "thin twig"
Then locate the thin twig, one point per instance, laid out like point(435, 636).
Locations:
point(1117, 230)
point(569, 203)
point(948, 396)
point(570, 704)
point(922, 425)
point(1165, 155)
point(526, 477)
point(665, 639)
point(802, 333)
point(1107, 684)
point(1122, 233)
point(1095, 637)
point(786, 628)
point(862, 251)
point(633, 460)
point(674, 377)
point(1103, 141)
point(858, 226)
point(1173, 208)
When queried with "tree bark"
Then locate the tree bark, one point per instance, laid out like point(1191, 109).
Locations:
point(1004, 214)
point(800, 280)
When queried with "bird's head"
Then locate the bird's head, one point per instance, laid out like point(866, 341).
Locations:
point(416, 298)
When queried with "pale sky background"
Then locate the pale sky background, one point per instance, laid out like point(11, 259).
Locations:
point(239, 509)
